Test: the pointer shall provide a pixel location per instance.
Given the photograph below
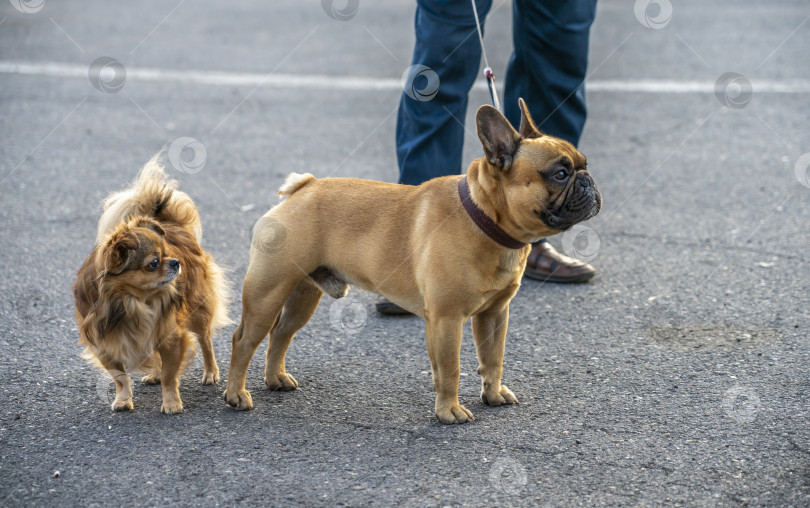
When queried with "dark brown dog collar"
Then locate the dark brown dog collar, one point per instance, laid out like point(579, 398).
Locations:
point(486, 224)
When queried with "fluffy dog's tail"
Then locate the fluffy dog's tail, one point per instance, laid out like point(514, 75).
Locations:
point(152, 194)
point(294, 182)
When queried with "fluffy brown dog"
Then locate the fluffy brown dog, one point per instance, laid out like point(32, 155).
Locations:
point(447, 250)
point(148, 289)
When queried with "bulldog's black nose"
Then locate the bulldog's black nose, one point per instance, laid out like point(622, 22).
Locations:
point(174, 264)
point(584, 180)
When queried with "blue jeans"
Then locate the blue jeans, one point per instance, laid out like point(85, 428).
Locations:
point(547, 69)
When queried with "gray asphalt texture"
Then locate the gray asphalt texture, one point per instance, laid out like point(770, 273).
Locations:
point(678, 376)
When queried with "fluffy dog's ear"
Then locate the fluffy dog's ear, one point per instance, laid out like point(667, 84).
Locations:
point(498, 137)
point(105, 315)
point(146, 222)
point(99, 315)
point(109, 314)
point(85, 295)
point(117, 250)
point(527, 128)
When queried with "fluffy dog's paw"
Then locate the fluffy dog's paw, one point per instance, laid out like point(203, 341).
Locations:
point(210, 378)
point(122, 404)
point(454, 413)
point(171, 407)
point(281, 382)
point(151, 379)
point(239, 400)
point(493, 398)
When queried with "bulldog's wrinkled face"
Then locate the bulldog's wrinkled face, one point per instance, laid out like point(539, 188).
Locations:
point(565, 192)
point(544, 180)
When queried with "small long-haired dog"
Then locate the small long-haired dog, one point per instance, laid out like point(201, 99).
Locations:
point(148, 288)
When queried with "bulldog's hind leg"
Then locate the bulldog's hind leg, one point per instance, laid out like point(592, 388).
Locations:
point(298, 310)
point(260, 310)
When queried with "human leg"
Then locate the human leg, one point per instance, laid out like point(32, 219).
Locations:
point(547, 69)
point(430, 126)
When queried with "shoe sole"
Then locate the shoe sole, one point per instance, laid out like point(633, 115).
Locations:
point(585, 277)
point(392, 310)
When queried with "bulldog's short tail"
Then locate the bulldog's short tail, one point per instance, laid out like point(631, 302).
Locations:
point(294, 182)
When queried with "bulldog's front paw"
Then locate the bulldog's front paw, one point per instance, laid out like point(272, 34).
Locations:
point(238, 399)
point(210, 378)
point(122, 404)
point(281, 382)
point(171, 406)
point(498, 398)
point(454, 413)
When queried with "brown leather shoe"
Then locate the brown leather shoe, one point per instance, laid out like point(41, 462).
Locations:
point(547, 265)
point(388, 308)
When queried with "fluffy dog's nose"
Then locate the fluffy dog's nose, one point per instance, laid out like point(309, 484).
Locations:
point(174, 264)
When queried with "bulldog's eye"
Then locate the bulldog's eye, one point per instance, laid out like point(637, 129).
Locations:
point(153, 265)
point(561, 175)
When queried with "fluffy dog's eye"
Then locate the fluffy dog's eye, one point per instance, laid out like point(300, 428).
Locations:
point(561, 175)
point(153, 265)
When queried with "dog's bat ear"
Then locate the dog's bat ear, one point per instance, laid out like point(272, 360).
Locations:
point(527, 128)
point(146, 222)
point(499, 139)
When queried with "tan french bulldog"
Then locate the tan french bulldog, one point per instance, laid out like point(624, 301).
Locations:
point(449, 249)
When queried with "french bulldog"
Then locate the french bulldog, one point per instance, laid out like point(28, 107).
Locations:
point(448, 250)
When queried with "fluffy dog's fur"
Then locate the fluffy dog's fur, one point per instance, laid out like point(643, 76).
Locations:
point(148, 289)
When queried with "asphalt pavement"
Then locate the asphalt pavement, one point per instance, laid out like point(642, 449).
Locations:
point(678, 376)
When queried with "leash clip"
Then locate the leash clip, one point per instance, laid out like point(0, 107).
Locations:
point(493, 92)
